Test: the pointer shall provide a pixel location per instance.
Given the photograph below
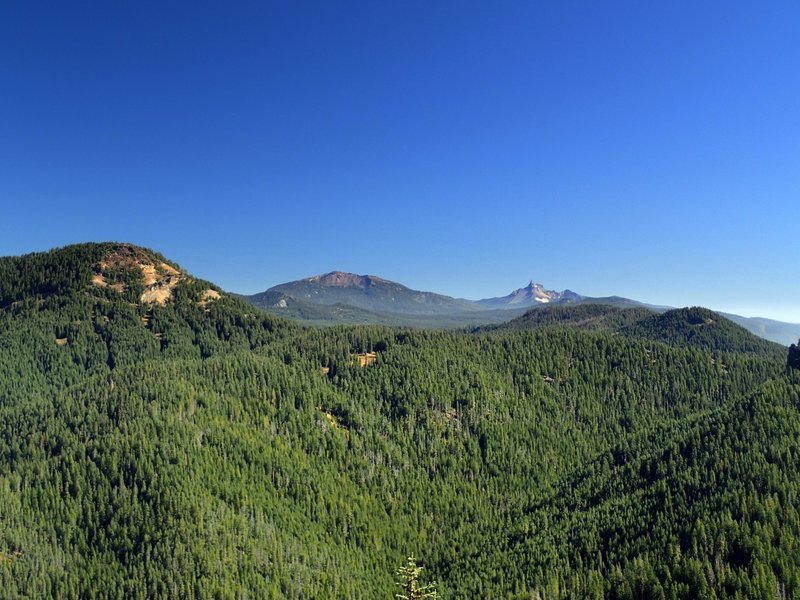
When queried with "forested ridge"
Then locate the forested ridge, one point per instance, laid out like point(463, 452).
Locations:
point(194, 446)
point(694, 326)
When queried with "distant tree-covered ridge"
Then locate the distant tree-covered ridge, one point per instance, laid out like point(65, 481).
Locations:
point(693, 326)
point(160, 438)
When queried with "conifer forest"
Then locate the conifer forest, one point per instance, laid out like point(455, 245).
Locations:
point(160, 438)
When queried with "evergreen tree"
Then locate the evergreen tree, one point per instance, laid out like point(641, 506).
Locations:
point(409, 583)
point(793, 359)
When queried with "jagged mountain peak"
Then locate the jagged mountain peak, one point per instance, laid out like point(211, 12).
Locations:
point(532, 294)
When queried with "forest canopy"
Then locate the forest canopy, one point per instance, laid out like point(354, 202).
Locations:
point(193, 446)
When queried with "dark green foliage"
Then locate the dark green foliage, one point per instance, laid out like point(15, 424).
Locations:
point(65, 271)
point(699, 327)
point(696, 326)
point(588, 317)
point(198, 450)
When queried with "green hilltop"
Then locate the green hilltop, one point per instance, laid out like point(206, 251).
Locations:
point(161, 438)
point(695, 326)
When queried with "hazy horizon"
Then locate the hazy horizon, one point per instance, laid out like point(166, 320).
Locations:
point(776, 313)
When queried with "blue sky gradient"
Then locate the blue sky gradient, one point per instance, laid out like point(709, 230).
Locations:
point(649, 150)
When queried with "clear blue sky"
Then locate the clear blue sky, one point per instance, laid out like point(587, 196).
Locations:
point(650, 150)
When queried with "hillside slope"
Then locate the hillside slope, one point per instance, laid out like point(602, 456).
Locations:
point(769, 329)
point(694, 326)
point(586, 317)
point(189, 445)
point(309, 313)
point(371, 293)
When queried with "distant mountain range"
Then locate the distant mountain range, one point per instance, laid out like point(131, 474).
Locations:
point(371, 293)
point(340, 297)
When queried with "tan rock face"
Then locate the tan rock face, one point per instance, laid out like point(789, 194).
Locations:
point(208, 296)
point(211, 294)
point(366, 359)
point(159, 278)
point(158, 294)
point(154, 274)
